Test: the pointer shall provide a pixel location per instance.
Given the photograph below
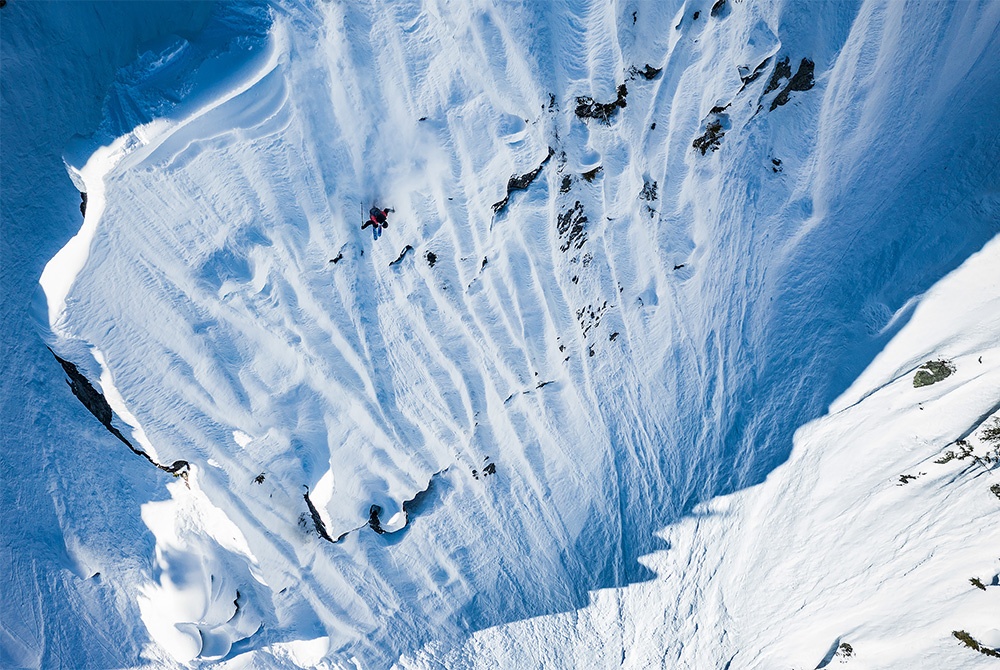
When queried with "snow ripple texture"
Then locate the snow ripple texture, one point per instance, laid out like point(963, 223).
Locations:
point(528, 396)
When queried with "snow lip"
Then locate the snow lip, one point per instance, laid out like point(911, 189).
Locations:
point(91, 162)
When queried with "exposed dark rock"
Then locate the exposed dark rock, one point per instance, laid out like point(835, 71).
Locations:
point(259, 479)
point(679, 266)
point(755, 75)
point(588, 108)
point(97, 404)
point(520, 183)
point(696, 15)
point(570, 224)
point(714, 132)
point(648, 192)
point(422, 499)
point(85, 392)
point(775, 165)
point(402, 254)
point(974, 644)
point(653, 126)
point(932, 372)
point(83, 203)
point(802, 81)
point(339, 258)
point(483, 266)
point(422, 118)
point(648, 72)
point(373, 519)
point(591, 175)
point(431, 258)
point(614, 336)
point(317, 519)
point(782, 70)
point(589, 317)
point(567, 184)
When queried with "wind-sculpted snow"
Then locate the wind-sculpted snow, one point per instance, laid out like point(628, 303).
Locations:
point(388, 451)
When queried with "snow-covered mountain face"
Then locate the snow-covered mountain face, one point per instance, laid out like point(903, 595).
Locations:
point(632, 249)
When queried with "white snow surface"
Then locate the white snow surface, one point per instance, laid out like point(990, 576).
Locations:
point(670, 434)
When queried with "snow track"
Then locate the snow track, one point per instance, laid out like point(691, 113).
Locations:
point(525, 399)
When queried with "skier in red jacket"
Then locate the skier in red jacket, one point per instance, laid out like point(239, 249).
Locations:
point(377, 220)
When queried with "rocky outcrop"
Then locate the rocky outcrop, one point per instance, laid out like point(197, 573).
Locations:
point(588, 108)
point(97, 404)
point(521, 182)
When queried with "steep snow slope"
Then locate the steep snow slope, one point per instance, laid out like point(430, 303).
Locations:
point(521, 398)
point(868, 536)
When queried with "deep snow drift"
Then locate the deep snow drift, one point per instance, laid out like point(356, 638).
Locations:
point(634, 249)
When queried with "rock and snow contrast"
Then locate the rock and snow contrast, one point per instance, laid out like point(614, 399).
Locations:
point(681, 348)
